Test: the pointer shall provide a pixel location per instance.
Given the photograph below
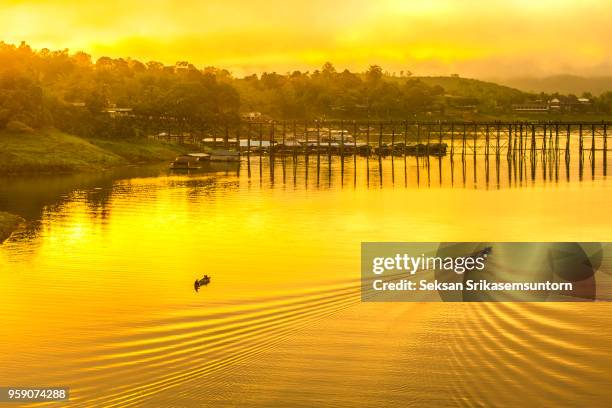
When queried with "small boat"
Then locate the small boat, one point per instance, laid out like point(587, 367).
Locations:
point(202, 157)
point(201, 282)
point(224, 155)
point(190, 161)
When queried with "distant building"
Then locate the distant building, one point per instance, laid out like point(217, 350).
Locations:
point(350, 108)
point(579, 105)
point(555, 105)
point(531, 107)
point(116, 112)
point(251, 116)
point(461, 103)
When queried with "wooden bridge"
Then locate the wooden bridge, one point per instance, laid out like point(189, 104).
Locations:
point(393, 137)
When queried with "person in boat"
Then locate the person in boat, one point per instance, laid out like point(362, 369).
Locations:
point(201, 282)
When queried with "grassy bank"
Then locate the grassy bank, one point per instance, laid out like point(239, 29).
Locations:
point(52, 151)
point(145, 151)
point(8, 223)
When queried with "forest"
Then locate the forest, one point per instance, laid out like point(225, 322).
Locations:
point(73, 93)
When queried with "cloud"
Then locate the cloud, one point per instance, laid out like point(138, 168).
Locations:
point(478, 38)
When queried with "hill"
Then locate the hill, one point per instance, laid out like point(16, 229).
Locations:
point(474, 88)
point(563, 84)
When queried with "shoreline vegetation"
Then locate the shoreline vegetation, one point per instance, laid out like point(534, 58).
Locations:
point(8, 224)
point(80, 96)
point(49, 150)
point(62, 112)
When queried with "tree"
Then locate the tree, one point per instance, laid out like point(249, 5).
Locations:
point(328, 69)
point(374, 74)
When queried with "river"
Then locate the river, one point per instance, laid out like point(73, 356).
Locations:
point(97, 288)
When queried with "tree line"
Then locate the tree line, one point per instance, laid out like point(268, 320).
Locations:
point(72, 92)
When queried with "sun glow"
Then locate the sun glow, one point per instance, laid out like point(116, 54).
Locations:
point(477, 38)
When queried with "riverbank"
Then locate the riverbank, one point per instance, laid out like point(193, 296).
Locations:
point(8, 224)
point(53, 151)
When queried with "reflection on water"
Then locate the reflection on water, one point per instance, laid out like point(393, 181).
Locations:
point(98, 288)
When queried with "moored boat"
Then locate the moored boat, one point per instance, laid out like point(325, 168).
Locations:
point(224, 155)
point(202, 157)
point(190, 161)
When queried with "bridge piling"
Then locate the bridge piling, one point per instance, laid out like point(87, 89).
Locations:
point(342, 142)
point(271, 147)
point(497, 136)
point(368, 139)
point(392, 139)
point(487, 138)
point(306, 139)
point(475, 145)
point(567, 141)
point(593, 142)
point(294, 140)
point(260, 140)
point(329, 139)
point(428, 139)
point(580, 142)
point(249, 129)
point(405, 138)
point(318, 138)
point(605, 149)
point(510, 149)
point(452, 141)
point(380, 139)
point(592, 150)
point(355, 134)
point(546, 144)
point(533, 141)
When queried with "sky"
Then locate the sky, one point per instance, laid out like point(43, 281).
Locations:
point(485, 39)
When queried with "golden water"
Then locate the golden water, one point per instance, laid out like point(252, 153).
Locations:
point(97, 289)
